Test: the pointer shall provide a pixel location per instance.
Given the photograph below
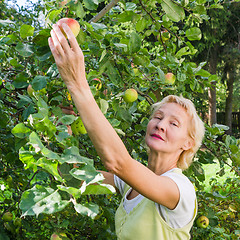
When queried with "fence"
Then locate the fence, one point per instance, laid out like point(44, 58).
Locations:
point(235, 121)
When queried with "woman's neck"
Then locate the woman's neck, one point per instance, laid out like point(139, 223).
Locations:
point(161, 163)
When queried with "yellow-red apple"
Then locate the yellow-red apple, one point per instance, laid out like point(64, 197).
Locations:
point(170, 78)
point(97, 83)
point(72, 23)
point(30, 90)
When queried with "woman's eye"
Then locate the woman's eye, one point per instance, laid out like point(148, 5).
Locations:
point(174, 124)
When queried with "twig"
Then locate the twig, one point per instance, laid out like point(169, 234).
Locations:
point(103, 11)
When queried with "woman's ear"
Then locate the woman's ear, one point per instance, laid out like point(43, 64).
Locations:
point(188, 144)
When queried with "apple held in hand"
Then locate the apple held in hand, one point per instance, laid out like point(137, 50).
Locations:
point(130, 95)
point(78, 127)
point(202, 222)
point(170, 78)
point(72, 23)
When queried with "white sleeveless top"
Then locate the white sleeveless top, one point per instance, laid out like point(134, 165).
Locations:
point(184, 211)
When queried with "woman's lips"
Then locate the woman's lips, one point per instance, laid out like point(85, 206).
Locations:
point(156, 136)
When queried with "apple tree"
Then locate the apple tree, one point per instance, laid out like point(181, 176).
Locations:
point(49, 178)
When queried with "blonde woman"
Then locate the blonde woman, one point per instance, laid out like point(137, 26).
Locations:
point(158, 202)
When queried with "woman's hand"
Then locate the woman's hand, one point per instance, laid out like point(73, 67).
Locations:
point(68, 57)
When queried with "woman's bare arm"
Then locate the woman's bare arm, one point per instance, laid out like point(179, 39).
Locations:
point(109, 146)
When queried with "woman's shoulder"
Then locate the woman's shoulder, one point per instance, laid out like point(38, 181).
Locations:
point(178, 177)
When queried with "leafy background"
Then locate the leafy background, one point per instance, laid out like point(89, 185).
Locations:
point(47, 172)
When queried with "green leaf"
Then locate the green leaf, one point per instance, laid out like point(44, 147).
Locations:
point(67, 119)
point(161, 74)
point(104, 106)
point(35, 141)
point(79, 10)
point(113, 73)
point(15, 64)
point(28, 159)
point(124, 115)
point(90, 4)
point(26, 31)
point(203, 73)
point(87, 173)
point(41, 199)
point(134, 43)
point(51, 166)
point(21, 131)
point(174, 12)
point(53, 14)
point(71, 155)
point(76, 193)
point(39, 82)
point(130, 6)
point(141, 24)
point(99, 189)
point(25, 50)
point(98, 26)
point(194, 34)
point(88, 209)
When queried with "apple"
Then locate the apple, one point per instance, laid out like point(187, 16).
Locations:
point(78, 127)
point(30, 90)
point(202, 222)
point(7, 217)
point(63, 3)
point(97, 82)
point(130, 95)
point(170, 78)
point(72, 23)
point(59, 236)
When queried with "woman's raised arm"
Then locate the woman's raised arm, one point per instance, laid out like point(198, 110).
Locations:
point(114, 155)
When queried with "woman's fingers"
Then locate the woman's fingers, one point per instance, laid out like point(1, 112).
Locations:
point(71, 38)
point(59, 40)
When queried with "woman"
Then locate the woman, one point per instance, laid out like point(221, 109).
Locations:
point(159, 202)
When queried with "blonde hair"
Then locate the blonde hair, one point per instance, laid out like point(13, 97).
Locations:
point(195, 130)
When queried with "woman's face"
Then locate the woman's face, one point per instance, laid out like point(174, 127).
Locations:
point(167, 131)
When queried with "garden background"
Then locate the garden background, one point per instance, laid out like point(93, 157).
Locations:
point(127, 44)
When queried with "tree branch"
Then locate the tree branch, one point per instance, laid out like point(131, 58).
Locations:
point(103, 11)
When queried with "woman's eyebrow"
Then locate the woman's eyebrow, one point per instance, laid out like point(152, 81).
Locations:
point(173, 116)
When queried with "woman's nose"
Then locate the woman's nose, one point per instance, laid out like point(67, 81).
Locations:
point(161, 125)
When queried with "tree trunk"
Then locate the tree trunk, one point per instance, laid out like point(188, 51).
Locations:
point(229, 98)
point(212, 90)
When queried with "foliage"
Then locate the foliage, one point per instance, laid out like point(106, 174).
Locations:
point(47, 173)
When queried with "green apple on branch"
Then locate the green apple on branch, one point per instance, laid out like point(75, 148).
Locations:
point(72, 23)
point(130, 95)
point(7, 217)
point(203, 222)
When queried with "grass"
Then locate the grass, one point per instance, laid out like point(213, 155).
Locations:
point(211, 171)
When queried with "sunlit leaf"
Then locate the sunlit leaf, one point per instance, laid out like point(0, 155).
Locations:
point(41, 199)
